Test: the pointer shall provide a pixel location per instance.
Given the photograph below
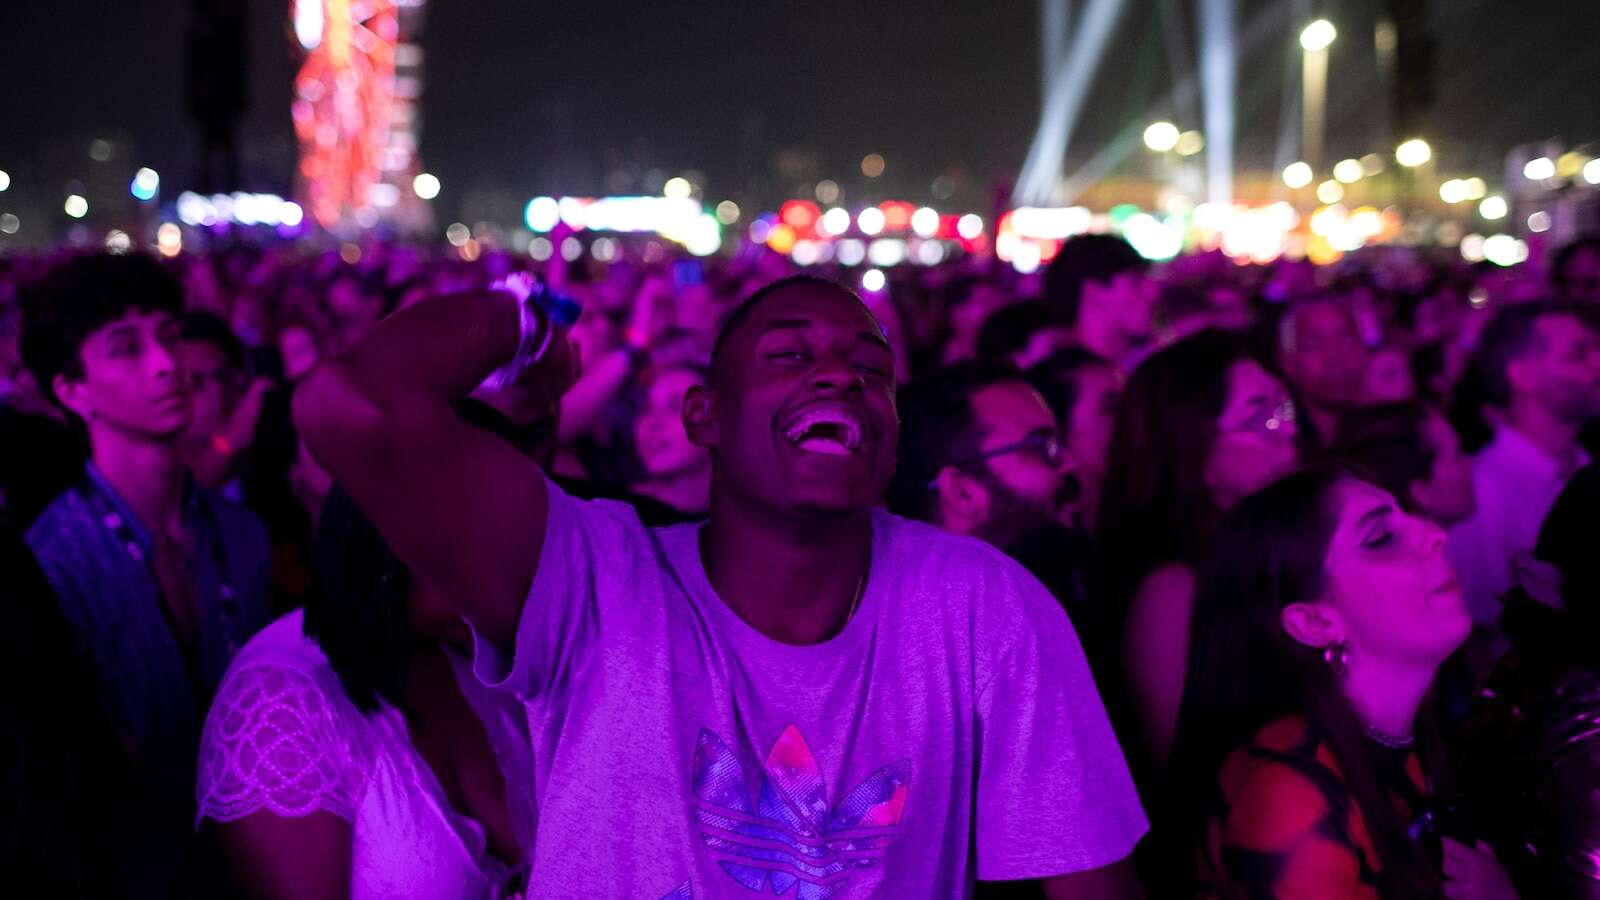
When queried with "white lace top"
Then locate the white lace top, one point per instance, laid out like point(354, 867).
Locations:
point(282, 736)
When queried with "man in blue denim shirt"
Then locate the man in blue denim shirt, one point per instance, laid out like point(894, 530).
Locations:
point(163, 580)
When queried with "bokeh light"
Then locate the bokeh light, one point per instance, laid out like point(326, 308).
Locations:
point(1161, 136)
point(870, 221)
point(1318, 35)
point(426, 185)
point(1297, 175)
point(1413, 153)
point(1540, 168)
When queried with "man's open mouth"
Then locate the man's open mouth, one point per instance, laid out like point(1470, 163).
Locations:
point(829, 428)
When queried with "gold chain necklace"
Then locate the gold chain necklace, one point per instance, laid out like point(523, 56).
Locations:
point(855, 604)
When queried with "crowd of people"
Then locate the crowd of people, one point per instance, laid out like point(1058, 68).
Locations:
point(391, 573)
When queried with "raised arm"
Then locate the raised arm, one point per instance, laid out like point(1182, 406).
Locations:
point(462, 508)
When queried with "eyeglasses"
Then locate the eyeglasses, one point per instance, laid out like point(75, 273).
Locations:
point(1045, 447)
point(1276, 421)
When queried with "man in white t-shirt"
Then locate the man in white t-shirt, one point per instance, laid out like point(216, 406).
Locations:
point(1539, 364)
point(804, 695)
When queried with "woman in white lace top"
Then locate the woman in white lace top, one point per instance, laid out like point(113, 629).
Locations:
point(350, 752)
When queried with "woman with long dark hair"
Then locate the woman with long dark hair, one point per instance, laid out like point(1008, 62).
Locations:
point(1306, 764)
point(1201, 424)
point(350, 751)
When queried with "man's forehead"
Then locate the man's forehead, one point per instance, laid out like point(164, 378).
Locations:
point(816, 303)
point(154, 318)
point(1012, 402)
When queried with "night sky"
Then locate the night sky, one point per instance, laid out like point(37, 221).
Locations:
point(525, 97)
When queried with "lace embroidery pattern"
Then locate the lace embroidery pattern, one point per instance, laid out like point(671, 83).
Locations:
point(271, 743)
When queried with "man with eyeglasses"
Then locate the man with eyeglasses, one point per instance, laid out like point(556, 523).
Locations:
point(981, 456)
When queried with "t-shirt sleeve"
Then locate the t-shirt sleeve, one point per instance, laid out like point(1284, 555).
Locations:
point(272, 742)
point(1054, 793)
point(585, 543)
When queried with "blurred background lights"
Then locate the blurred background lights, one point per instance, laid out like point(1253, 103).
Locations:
point(677, 188)
point(1453, 191)
point(1348, 171)
point(308, 23)
point(9, 224)
point(1318, 35)
point(873, 280)
point(804, 253)
point(542, 214)
point(886, 252)
point(1591, 172)
point(1540, 168)
point(426, 185)
point(5, 180)
point(851, 252)
point(1504, 250)
point(1190, 143)
point(1152, 238)
point(870, 221)
point(925, 222)
point(1493, 207)
point(969, 226)
point(146, 183)
point(457, 233)
point(1413, 153)
point(76, 206)
point(872, 165)
point(541, 249)
point(1027, 258)
point(727, 212)
point(100, 150)
point(1539, 222)
point(835, 221)
point(1297, 175)
point(117, 241)
point(1161, 136)
point(827, 191)
point(169, 239)
point(1330, 192)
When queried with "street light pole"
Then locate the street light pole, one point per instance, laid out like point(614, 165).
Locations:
point(1315, 40)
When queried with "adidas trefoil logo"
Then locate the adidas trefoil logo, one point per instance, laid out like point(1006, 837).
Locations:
point(789, 836)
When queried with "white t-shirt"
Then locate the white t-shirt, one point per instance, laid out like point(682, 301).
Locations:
point(951, 731)
point(1516, 484)
point(283, 736)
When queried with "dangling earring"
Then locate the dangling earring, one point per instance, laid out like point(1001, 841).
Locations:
point(1334, 656)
